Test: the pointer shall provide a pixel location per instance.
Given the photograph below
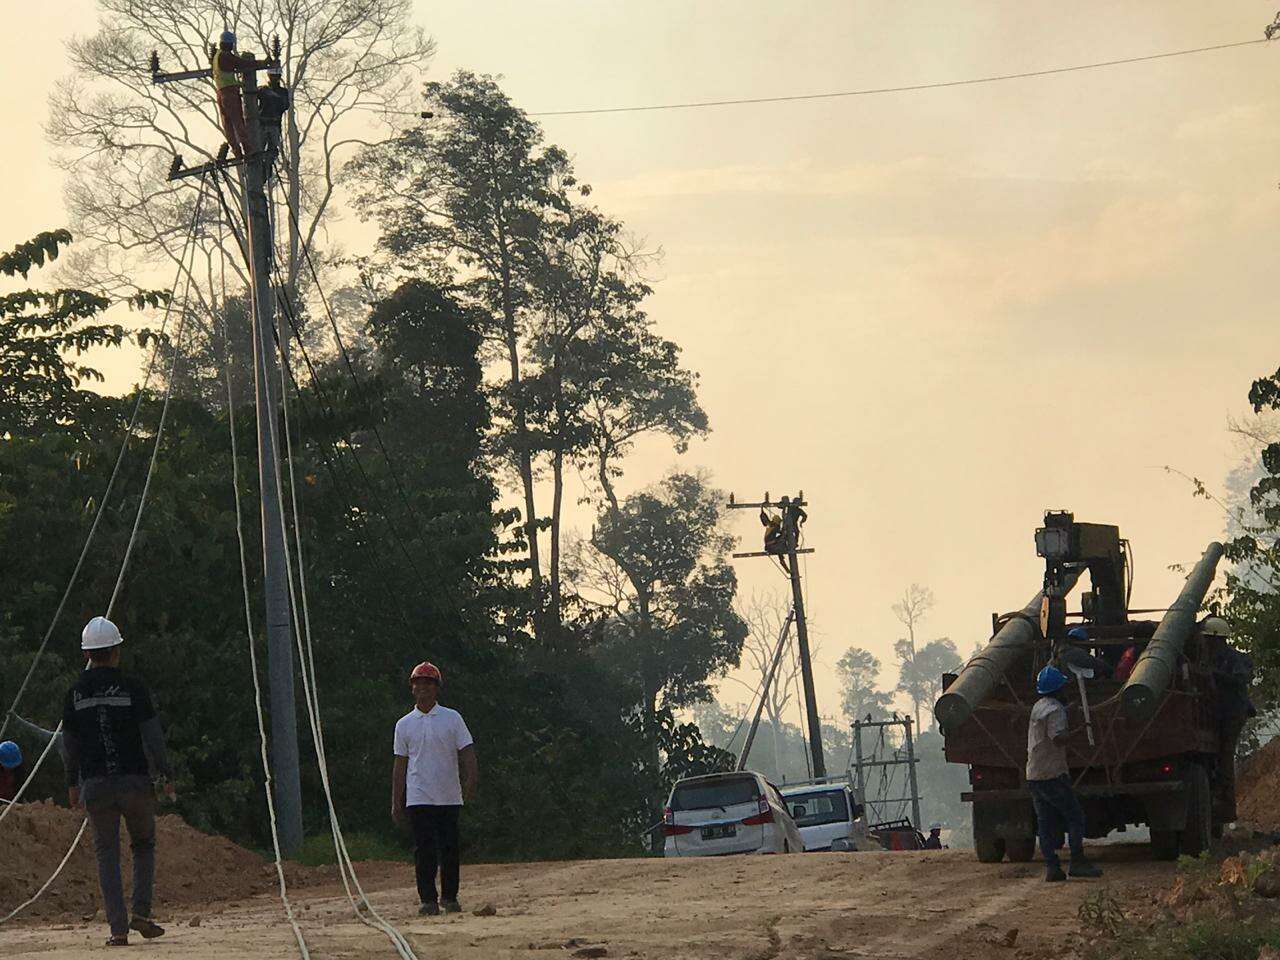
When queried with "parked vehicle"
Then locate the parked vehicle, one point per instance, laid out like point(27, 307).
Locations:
point(724, 813)
point(827, 814)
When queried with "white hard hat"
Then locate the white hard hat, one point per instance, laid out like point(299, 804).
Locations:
point(100, 634)
point(935, 826)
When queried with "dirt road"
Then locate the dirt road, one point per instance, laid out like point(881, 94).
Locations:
point(816, 906)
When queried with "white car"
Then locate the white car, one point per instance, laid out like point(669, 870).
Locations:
point(827, 813)
point(724, 813)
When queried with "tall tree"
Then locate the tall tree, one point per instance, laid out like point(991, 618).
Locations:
point(471, 193)
point(655, 571)
point(480, 200)
point(920, 670)
point(860, 695)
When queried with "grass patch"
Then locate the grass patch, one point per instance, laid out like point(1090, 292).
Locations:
point(317, 849)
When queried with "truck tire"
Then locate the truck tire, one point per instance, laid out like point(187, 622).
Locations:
point(1165, 844)
point(1197, 836)
point(988, 847)
point(1021, 850)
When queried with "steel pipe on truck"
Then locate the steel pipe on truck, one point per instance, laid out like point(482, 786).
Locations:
point(1155, 669)
point(981, 674)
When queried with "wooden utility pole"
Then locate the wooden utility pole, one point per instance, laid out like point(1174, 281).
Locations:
point(792, 515)
point(285, 775)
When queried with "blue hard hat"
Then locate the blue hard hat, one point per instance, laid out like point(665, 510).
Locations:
point(1050, 680)
point(1078, 633)
point(227, 38)
point(10, 755)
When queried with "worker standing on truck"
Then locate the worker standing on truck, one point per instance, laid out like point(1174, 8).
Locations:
point(1049, 780)
point(432, 744)
point(112, 744)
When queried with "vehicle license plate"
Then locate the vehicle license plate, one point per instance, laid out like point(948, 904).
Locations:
point(717, 832)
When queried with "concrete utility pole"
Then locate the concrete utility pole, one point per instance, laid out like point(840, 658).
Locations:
point(284, 720)
point(792, 514)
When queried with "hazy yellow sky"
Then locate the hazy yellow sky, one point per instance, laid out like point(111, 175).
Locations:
point(937, 312)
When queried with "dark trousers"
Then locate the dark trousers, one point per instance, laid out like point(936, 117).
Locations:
point(435, 848)
point(107, 800)
point(1057, 811)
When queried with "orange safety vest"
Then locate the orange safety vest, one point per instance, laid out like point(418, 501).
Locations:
point(222, 78)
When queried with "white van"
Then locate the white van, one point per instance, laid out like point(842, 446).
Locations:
point(827, 813)
point(724, 813)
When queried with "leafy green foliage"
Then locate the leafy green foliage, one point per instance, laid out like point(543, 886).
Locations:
point(40, 332)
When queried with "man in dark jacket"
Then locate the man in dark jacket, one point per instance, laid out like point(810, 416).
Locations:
point(112, 744)
point(273, 104)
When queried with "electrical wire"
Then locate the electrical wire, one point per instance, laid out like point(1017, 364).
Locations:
point(904, 88)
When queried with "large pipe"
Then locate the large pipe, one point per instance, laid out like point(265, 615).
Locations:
point(1155, 669)
point(981, 674)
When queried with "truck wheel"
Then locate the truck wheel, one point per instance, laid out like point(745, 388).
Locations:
point(1198, 833)
point(1021, 850)
point(989, 848)
point(1165, 844)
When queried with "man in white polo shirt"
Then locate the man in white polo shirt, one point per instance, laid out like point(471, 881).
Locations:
point(432, 745)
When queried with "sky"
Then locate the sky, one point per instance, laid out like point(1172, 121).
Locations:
point(938, 313)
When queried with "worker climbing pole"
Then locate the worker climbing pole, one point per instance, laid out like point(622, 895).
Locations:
point(783, 522)
point(236, 88)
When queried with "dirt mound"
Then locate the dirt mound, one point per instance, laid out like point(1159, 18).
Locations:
point(1258, 788)
point(192, 868)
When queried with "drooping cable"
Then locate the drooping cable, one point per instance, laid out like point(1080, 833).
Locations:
point(142, 501)
point(115, 471)
point(268, 780)
point(299, 604)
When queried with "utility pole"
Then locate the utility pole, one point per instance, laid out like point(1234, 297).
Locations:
point(285, 774)
point(787, 544)
point(284, 719)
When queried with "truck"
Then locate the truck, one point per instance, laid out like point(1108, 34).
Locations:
point(1155, 707)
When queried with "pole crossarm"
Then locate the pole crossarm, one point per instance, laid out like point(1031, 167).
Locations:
point(765, 553)
point(177, 171)
point(737, 505)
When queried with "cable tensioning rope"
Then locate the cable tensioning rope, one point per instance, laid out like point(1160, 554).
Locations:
point(102, 504)
point(133, 536)
point(177, 353)
point(268, 780)
point(302, 635)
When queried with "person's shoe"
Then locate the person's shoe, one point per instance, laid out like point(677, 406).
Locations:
point(147, 927)
point(222, 152)
point(1054, 875)
point(1083, 868)
point(118, 940)
point(431, 909)
point(451, 906)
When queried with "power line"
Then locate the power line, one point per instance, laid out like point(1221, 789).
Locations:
point(905, 88)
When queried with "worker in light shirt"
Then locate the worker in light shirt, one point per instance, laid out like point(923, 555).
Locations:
point(433, 771)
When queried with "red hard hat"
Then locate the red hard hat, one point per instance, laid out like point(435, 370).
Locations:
point(426, 669)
